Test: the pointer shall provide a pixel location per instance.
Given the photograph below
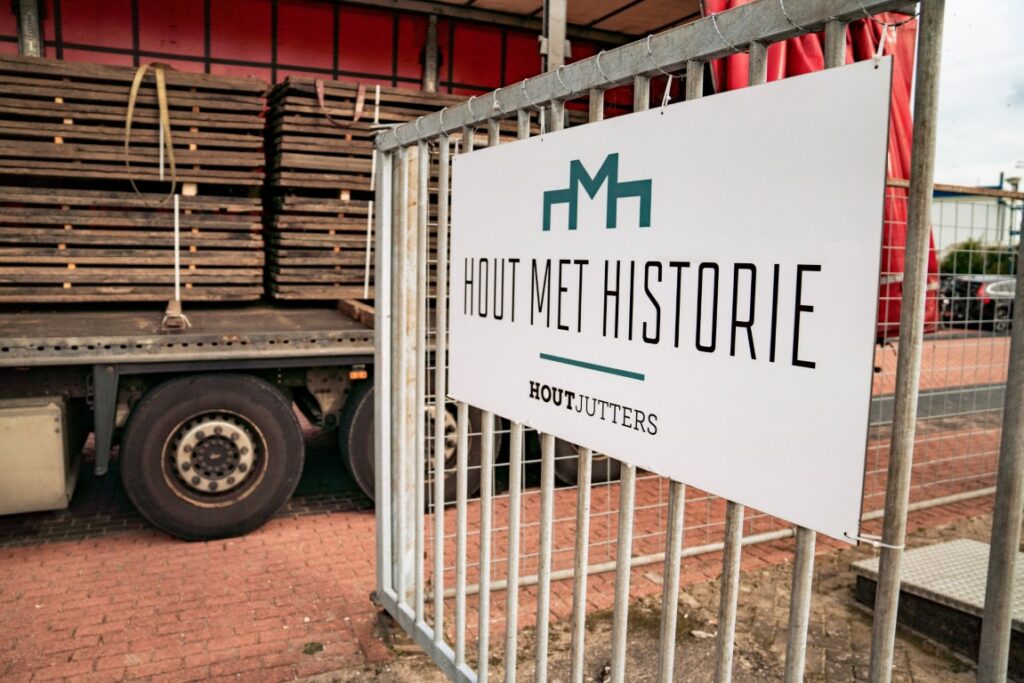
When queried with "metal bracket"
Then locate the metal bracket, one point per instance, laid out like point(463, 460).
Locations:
point(104, 384)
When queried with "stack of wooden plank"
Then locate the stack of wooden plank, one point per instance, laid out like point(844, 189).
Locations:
point(320, 162)
point(70, 245)
point(71, 226)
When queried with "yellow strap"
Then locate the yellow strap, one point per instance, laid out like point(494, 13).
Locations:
point(165, 121)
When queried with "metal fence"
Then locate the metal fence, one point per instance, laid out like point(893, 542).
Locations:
point(537, 528)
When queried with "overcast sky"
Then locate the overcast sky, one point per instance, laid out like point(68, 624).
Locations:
point(981, 93)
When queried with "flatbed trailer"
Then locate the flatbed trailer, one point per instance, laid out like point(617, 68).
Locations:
point(210, 445)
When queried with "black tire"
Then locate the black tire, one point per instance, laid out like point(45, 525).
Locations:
point(355, 439)
point(567, 465)
point(230, 488)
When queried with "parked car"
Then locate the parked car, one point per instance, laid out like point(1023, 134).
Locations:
point(983, 300)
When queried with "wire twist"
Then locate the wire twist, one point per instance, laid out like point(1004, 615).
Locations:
point(872, 17)
point(714, 24)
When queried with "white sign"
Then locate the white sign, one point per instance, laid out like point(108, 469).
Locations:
point(690, 289)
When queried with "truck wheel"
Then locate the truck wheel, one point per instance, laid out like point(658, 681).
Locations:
point(211, 456)
point(356, 442)
point(567, 465)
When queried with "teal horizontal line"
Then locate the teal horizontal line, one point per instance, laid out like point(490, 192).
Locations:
point(592, 366)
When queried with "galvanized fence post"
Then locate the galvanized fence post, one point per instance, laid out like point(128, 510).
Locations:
point(1007, 515)
point(382, 374)
point(440, 382)
point(908, 369)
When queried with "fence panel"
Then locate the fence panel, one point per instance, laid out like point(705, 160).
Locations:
point(470, 504)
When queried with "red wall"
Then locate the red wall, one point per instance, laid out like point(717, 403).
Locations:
point(271, 39)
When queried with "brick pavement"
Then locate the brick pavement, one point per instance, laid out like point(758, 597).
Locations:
point(138, 605)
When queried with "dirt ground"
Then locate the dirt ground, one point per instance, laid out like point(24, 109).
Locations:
point(838, 639)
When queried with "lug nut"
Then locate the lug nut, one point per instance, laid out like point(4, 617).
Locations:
point(213, 486)
point(186, 466)
point(195, 481)
point(243, 467)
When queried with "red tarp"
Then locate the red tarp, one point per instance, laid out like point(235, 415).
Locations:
point(805, 54)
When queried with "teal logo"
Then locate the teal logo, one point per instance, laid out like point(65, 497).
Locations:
point(608, 173)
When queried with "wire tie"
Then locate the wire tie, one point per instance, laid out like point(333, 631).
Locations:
point(441, 124)
point(782, 6)
point(881, 43)
point(600, 69)
point(714, 24)
point(498, 106)
point(873, 541)
point(879, 21)
point(558, 75)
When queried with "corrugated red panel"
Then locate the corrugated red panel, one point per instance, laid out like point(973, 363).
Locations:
point(175, 28)
point(412, 38)
point(477, 57)
point(8, 31)
point(105, 23)
point(73, 55)
point(365, 41)
point(305, 34)
point(240, 30)
point(522, 56)
point(374, 45)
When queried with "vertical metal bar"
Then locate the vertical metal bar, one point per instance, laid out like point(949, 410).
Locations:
point(461, 483)
point(486, 517)
point(729, 596)
point(908, 367)
point(523, 124)
point(547, 505)
point(595, 109)
point(580, 562)
point(803, 562)
point(670, 596)
point(799, 605)
point(493, 132)
point(461, 494)
point(1009, 507)
point(515, 492)
point(757, 67)
point(732, 552)
point(557, 115)
point(581, 558)
point(440, 382)
point(623, 555)
point(835, 44)
point(401, 494)
point(408, 419)
point(627, 495)
point(422, 210)
point(382, 375)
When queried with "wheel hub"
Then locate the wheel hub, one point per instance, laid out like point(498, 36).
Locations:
point(214, 454)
